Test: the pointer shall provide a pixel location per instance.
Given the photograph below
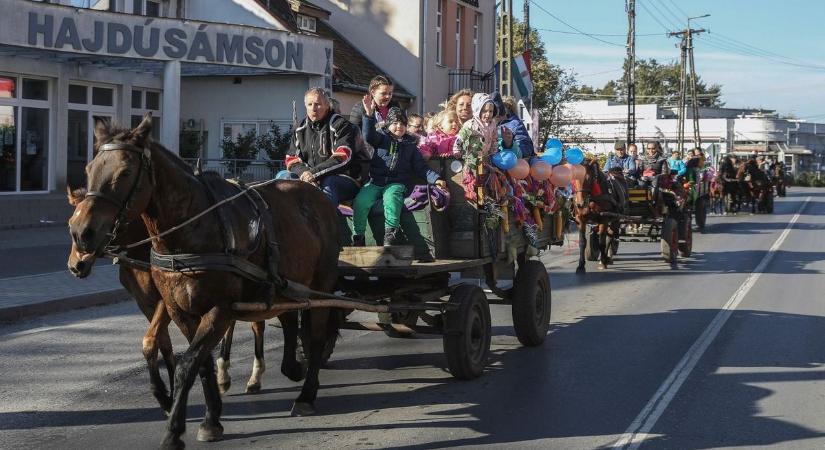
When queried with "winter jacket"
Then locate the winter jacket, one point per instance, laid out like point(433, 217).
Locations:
point(358, 112)
point(315, 145)
point(678, 165)
point(394, 160)
point(627, 164)
point(520, 134)
point(656, 163)
point(438, 144)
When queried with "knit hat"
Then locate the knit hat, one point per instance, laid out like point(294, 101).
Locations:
point(479, 100)
point(396, 114)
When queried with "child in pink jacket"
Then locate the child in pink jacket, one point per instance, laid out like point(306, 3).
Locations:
point(439, 143)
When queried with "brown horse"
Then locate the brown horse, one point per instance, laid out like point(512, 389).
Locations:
point(599, 200)
point(132, 177)
point(756, 184)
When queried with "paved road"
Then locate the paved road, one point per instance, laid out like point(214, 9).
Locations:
point(34, 251)
point(713, 354)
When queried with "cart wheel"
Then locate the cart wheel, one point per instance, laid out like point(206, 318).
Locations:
point(670, 239)
point(701, 213)
point(531, 300)
point(467, 332)
point(686, 248)
point(591, 249)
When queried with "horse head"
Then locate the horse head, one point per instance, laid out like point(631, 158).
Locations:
point(118, 191)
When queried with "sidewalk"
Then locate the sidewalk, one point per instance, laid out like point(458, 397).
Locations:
point(54, 290)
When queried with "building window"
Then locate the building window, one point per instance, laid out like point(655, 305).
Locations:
point(100, 5)
point(24, 134)
point(306, 23)
point(439, 18)
point(103, 96)
point(87, 103)
point(144, 101)
point(149, 8)
point(459, 11)
point(476, 34)
point(233, 128)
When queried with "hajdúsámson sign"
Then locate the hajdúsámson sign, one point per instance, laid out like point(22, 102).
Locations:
point(66, 29)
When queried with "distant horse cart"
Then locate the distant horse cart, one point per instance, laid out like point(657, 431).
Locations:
point(222, 252)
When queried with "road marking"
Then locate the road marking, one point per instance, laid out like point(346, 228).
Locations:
point(636, 433)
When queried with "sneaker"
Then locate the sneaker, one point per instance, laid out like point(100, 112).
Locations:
point(358, 240)
point(391, 237)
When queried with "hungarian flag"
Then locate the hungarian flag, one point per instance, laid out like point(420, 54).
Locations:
point(521, 74)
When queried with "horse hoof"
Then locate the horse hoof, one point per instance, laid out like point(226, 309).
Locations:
point(172, 443)
point(224, 387)
point(253, 388)
point(301, 409)
point(208, 433)
point(580, 271)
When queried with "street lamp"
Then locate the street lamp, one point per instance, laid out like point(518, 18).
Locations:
point(697, 17)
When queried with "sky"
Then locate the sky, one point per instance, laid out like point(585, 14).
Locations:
point(764, 54)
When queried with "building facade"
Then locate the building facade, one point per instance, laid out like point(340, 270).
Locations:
point(216, 68)
point(800, 144)
point(420, 42)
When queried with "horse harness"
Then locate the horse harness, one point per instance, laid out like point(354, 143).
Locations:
point(231, 260)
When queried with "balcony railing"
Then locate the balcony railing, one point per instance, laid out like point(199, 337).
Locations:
point(247, 170)
point(470, 79)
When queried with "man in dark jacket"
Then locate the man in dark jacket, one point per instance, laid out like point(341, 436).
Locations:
point(322, 148)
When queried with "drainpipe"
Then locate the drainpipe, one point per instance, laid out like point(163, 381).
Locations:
point(425, 14)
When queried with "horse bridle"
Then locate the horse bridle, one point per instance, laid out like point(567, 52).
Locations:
point(122, 205)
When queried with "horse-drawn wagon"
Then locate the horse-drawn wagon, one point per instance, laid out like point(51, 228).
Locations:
point(420, 287)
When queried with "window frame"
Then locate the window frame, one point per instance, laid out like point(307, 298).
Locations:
point(459, 13)
point(157, 114)
point(307, 23)
point(439, 24)
point(476, 35)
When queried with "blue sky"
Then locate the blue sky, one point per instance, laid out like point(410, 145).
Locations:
point(783, 69)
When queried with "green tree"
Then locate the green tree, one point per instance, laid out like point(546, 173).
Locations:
point(239, 152)
point(275, 144)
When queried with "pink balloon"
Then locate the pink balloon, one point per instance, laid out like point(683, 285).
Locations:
point(541, 171)
point(520, 170)
point(578, 172)
point(561, 176)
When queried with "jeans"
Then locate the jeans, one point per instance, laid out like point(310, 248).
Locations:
point(337, 187)
point(393, 198)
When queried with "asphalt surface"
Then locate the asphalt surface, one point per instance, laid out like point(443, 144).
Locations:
point(618, 339)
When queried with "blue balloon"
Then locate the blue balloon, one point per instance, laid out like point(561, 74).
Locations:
point(505, 160)
point(552, 156)
point(574, 155)
point(553, 143)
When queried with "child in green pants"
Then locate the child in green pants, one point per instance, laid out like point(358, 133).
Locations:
point(395, 160)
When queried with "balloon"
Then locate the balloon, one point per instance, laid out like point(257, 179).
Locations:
point(552, 156)
point(520, 170)
point(578, 172)
point(505, 160)
point(553, 143)
point(561, 176)
point(574, 155)
point(540, 170)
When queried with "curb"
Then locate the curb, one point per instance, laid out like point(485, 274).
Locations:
point(64, 304)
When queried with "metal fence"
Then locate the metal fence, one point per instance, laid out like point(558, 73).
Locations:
point(247, 170)
point(470, 79)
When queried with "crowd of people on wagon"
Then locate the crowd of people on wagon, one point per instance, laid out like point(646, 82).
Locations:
point(328, 149)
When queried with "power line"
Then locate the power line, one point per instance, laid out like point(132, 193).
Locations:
point(599, 73)
point(678, 19)
point(597, 34)
point(722, 45)
point(676, 25)
point(574, 28)
point(667, 30)
point(676, 5)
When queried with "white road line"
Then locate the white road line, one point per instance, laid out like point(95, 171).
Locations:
point(636, 434)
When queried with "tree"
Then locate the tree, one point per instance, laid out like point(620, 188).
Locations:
point(239, 152)
point(655, 83)
point(275, 144)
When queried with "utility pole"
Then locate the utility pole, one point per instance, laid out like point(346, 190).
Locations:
point(505, 43)
point(527, 44)
point(630, 71)
point(686, 46)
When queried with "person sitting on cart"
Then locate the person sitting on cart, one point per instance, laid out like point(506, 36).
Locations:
point(321, 151)
point(653, 164)
point(621, 161)
point(395, 160)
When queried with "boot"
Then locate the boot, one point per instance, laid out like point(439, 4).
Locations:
point(391, 237)
point(358, 240)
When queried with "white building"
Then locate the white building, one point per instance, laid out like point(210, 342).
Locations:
point(799, 143)
point(216, 66)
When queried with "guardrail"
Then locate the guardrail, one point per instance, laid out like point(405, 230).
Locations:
point(247, 170)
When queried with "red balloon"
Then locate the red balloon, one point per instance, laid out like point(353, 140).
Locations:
point(520, 170)
point(561, 176)
point(541, 171)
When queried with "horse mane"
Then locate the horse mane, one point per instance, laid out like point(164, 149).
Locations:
point(123, 133)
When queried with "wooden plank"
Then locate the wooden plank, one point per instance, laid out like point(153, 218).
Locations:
point(394, 256)
point(415, 270)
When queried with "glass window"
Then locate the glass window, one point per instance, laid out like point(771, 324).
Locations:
point(34, 149)
point(153, 100)
point(102, 96)
point(8, 87)
point(35, 89)
point(152, 8)
point(137, 6)
point(438, 18)
point(77, 150)
point(78, 94)
point(155, 133)
point(137, 99)
point(8, 148)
